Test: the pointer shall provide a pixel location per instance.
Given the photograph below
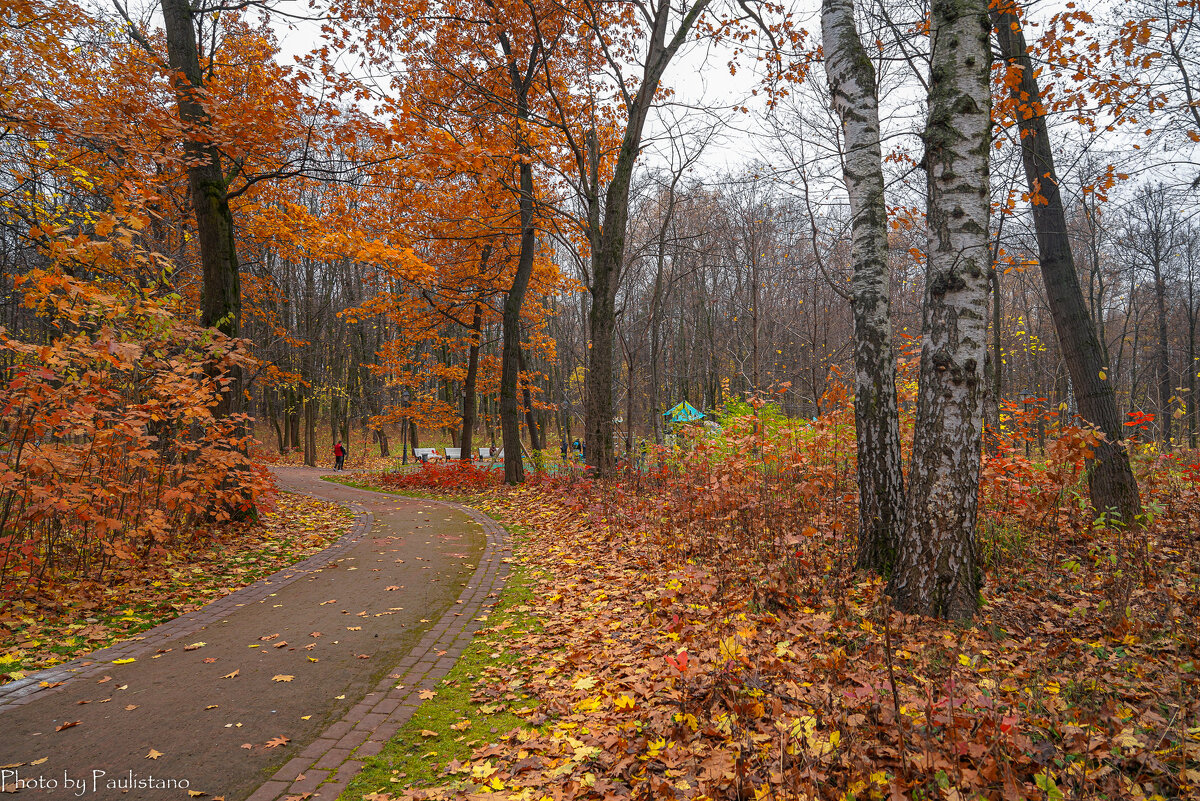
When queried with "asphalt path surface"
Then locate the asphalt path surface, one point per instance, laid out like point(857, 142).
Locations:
point(212, 717)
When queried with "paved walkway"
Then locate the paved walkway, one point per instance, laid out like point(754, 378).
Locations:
point(296, 679)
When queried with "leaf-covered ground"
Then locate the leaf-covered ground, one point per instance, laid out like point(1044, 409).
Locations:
point(659, 675)
point(73, 619)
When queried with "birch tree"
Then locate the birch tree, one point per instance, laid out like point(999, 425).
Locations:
point(935, 568)
point(852, 84)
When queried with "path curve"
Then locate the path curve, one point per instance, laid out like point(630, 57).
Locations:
point(395, 602)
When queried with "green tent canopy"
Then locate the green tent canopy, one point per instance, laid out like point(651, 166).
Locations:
point(683, 413)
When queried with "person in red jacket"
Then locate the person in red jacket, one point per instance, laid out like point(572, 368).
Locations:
point(339, 455)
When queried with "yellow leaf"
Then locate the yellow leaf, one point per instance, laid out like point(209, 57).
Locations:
point(153, 754)
point(124, 661)
point(282, 677)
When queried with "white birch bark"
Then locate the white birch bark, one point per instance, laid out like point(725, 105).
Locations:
point(935, 570)
point(851, 77)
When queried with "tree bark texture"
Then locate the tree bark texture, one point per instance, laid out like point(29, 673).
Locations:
point(1111, 483)
point(510, 370)
point(851, 77)
point(220, 295)
point(935, 567)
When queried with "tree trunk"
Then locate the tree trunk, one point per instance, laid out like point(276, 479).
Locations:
point(536, 439)
point(510, 412)
point(220, 294)
point(1191, 376)
point(1110, 481)
point(469, 400)
point(608, 251)
point(935, 563)
point(310, 432)
point(279, 435)
point(851, 77)
point(1165, 389)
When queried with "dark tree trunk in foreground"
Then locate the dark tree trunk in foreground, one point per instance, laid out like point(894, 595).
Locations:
point(1110, 480)
point(220, 295)
point(510, 408)
point(510, 352)
point(935, 564)
point(851, 78)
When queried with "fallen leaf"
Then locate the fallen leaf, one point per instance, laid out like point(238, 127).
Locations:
point(275, 742)
point(425, 695)
point(68, 725)
point(428, 733)
point(269, 637)
point(39, 761)
point(247, 746)
point(153, 754)
point(280, 644)
point(125, 661)
point(353, 628)
point(130, 707)
point(106, 678)
point(208, 660)
point(389, 589)
point(282, 677)
point(194, 646)
point(232, 675)
point(211, 706)
point(195, 793)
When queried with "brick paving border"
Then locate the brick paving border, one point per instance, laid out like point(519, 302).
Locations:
point(325, 768)
point(31, 687)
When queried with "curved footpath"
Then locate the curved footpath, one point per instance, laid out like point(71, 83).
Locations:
point(299, 677)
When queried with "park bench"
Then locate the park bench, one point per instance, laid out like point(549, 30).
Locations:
point(453, 453)
point(485, 453)
point(426, 454)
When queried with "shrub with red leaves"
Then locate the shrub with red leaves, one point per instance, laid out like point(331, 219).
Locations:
point(450, 477)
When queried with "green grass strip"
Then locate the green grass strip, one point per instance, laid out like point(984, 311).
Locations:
point(418, 754)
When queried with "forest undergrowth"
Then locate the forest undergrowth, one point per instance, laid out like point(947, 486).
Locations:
point(703, 634)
